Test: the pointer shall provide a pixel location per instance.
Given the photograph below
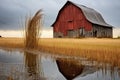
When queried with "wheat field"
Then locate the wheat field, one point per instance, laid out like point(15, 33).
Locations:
point(101, 50)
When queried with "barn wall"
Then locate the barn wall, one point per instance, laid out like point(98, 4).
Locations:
point(70, 18)
point(58, 35)
point(102, 31)
point(89, 34)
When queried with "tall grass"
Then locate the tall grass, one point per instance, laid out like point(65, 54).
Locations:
point(32, 27)
point(100, 50)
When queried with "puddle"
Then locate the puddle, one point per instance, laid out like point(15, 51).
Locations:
point(26, 65)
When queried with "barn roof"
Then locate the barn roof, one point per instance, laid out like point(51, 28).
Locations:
point(91, 15)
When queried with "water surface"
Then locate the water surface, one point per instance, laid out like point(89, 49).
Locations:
point(34, 65)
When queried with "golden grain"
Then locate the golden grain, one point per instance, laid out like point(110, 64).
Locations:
point(101, 50)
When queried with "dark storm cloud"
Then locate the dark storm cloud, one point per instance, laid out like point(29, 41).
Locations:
point(13, 12)
point(9, 15)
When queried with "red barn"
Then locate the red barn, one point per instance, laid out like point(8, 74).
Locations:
point(75, 20)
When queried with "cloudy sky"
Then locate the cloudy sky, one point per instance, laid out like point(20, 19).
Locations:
point(13, 12)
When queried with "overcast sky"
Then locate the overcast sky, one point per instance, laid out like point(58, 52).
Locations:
point(13, 12)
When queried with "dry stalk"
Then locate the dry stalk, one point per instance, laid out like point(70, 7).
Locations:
point(32, 28)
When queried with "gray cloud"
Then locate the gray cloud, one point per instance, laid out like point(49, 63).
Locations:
point(13, 12)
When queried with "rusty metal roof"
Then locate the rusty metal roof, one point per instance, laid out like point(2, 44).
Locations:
point(91, 15)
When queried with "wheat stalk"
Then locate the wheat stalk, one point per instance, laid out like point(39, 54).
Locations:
point(32, 29)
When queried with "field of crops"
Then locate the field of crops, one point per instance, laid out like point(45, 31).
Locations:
point(101, 50)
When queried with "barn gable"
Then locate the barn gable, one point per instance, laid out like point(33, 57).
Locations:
point(91, 15)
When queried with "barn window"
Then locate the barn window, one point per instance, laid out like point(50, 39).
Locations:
point(70, 20)
point(81, 32)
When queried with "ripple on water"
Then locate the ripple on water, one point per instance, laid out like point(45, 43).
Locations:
point(22, 65)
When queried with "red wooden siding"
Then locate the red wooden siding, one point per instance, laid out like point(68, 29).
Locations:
point(69, 18)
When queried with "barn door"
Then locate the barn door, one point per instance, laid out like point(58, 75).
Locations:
point(81, 32)
point(95, 33)
point(70, 33)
